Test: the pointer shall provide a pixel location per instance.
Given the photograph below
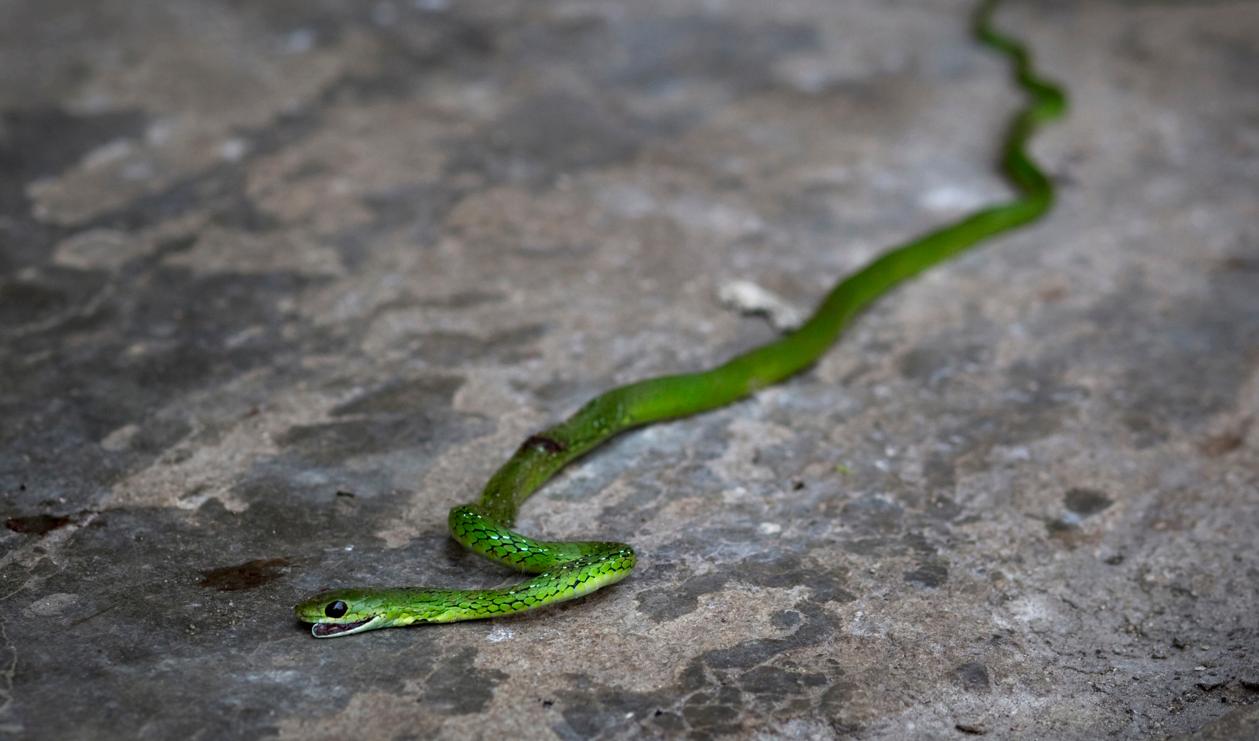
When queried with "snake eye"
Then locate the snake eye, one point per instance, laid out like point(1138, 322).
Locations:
point(336, 609)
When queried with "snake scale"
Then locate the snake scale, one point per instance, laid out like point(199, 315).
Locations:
point(566, 570)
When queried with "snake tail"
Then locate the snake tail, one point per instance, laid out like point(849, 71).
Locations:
point(564, 570)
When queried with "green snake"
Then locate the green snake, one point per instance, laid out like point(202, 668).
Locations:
point(566, 570)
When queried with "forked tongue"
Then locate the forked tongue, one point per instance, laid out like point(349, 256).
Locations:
point(328, 630)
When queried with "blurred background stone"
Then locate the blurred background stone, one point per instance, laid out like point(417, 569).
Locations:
point(282, 282)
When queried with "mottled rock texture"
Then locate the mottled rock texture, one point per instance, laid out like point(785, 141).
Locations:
point(280, 282)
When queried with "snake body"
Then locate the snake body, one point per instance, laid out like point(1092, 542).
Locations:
point(566, 570)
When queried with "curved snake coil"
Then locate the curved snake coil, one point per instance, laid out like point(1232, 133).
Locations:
point(566, 570)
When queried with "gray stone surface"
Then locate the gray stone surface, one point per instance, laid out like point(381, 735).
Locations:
point(283, 281)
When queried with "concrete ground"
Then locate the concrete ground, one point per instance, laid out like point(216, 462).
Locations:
point(281, 282)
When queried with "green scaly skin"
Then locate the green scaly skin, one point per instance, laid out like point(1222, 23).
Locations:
point(566, 570)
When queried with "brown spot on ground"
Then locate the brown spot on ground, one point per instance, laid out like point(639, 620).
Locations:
point(37, 524)
point(1053, 294)
point(1224, 443)
point(247, 575)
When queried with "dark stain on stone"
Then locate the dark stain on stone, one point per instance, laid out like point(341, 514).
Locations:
point(590, 710)
point(972, 676)
point(971, 729)
point(454, 348)
point(25, 302)
point(775, 681)
point(817, 625)
point(939, 473)
point(936, 361)
point(943, 509)
point(1066, 528)
point(784, 619)
point(423, 429)
point(218, 189)
point(828, 586)
point(770, 570)
point(549, 135)
point(173, 552)
point(713, 717)
point(1241, 264)
point(720, 692)
point(873, 514)
point(417, 210)
point(414, 211)
point(668, 723)
point(1053, 294)
point(930, 573)
point(918, 543)
point(1224, 443)
point(694, 677)
point(1211, 685)
point(244, 576)
point(334, 442)
point(867, 546)
point(669, 603)
point(43, 142)
point(1086, 502)
point(39, 525)
point(458, 687)
point(425, 394)
point(462, 300)
point(221, 190)
point(557, 251)
point(239, 212)
point(200, 316)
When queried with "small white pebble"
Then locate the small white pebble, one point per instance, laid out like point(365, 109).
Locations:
point(950, 199)
point(749, 298)
point(499, 634)
point(233, 149)
point(771, 528)
point(299, 41)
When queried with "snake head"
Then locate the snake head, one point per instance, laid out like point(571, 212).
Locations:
point(344, 612)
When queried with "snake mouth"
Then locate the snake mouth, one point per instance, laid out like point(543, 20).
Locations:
point(335, 630)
